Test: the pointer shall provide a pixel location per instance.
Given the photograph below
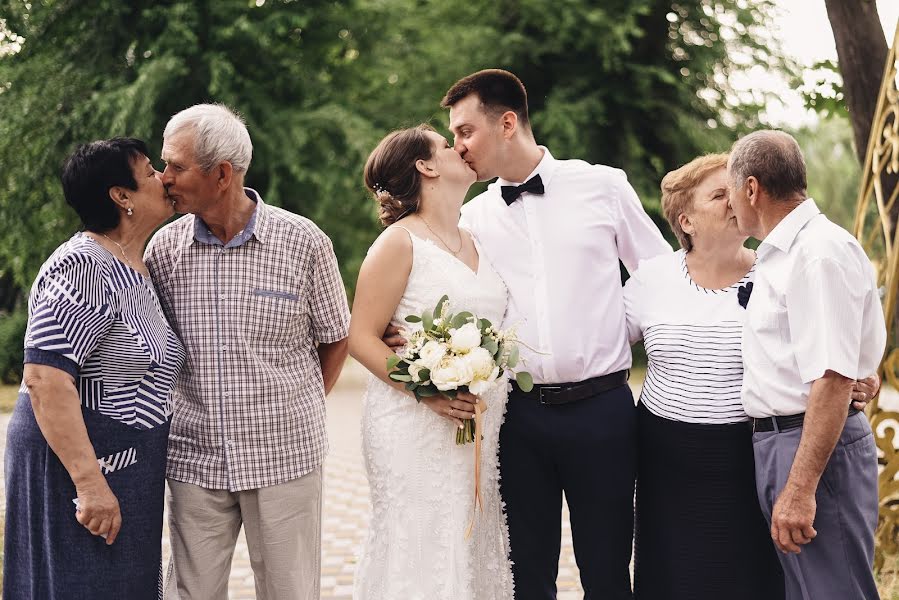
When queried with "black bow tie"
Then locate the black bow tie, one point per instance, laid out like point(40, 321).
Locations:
point(743, 294)
point(510, 193)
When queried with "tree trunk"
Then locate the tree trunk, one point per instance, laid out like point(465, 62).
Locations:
point(862, 51)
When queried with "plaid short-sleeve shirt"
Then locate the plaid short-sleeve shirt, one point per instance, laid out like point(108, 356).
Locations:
point(249, 405)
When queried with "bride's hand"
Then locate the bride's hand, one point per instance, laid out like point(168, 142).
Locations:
point(455, 409)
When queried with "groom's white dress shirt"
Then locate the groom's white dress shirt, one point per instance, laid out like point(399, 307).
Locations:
point(814, 307)
point(558, 255)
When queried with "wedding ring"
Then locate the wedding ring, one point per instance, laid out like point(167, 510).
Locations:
point(452, 410)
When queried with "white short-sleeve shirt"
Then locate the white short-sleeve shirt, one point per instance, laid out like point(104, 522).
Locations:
point(692, 338)
point(815, 307)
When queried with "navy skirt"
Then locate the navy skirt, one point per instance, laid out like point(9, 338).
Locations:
point(48, 555)
point(700, 533)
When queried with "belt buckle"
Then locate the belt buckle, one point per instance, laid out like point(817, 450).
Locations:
point(551, 388)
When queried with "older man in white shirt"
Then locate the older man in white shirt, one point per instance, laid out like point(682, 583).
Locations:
point(814, 325)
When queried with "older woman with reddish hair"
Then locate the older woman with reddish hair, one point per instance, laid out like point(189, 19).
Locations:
point(699, 530)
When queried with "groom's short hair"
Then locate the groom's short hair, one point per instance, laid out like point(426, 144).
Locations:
point(498, 90)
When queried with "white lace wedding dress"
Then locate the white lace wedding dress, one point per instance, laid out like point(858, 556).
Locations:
point(422, 483)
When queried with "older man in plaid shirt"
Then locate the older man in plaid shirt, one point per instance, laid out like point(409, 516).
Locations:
point(255, 295)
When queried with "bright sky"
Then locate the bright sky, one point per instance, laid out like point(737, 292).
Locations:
point(805, 34)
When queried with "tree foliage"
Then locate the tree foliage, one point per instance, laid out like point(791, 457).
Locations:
point(834, 175)
point(638, 84)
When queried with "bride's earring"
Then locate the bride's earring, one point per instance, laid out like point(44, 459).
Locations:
point(129, 212)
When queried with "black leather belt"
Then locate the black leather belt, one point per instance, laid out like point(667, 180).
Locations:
point(784, 423)
point(565, 393)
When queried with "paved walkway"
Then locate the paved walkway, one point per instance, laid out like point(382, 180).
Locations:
point(345, 508)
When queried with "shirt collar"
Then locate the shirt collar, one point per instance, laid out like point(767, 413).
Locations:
point(255, 226)
point(545, 169)
point(784, 233)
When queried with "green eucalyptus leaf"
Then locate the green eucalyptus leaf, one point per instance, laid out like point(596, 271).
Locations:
point(525, 381)
point(513, 356)
point(461, 319)
point(439, 308)
point(427, 320)
point(426, 391)
point(392, 362)
point(413, 319)
point(483, 324)
point(399, 377)
point(489, 344)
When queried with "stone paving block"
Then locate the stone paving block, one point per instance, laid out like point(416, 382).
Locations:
point(345, 507)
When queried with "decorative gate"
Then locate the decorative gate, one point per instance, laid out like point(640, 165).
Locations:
point(874, 227)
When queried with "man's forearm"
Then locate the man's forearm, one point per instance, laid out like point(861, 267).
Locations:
point(825, 418)
point(332, 357)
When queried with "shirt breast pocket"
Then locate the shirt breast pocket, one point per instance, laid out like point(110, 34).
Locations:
point(271, 317)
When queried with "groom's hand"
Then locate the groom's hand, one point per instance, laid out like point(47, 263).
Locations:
point(392, 337)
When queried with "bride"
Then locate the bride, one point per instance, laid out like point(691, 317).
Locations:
point(422, 483)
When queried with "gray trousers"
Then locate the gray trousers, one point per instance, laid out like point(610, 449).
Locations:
point(282, 524)
point(838, 563)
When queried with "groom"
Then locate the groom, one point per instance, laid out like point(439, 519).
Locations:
point(555, 230)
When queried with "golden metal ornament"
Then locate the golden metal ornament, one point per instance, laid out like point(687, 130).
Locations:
point(874, 229)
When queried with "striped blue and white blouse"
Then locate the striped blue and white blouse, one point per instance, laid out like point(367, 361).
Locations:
point(100, 320)
point(692, 337)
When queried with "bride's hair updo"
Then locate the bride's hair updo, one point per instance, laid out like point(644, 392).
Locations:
point(390, 172)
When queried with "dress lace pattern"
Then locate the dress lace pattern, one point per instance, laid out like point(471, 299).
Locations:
point(421, 482)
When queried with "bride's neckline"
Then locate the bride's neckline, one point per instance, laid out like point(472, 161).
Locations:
point(476, 271)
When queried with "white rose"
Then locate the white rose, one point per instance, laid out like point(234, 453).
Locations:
point(431, 354)
point(479, 386)
point(481, 362)
point(465, 338)
point(452, 373)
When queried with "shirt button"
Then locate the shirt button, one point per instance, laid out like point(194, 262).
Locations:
point(222, 297)
point(227, 394)
point(224, 347)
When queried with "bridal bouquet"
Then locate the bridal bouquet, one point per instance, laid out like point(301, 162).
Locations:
point(453, 353)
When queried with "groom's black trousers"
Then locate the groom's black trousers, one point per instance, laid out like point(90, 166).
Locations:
point(586, 449)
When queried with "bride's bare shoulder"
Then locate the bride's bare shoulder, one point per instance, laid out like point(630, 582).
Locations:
point(393, 245)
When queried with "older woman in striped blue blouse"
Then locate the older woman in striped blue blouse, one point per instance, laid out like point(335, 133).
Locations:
point(91, 423)
point(700, 533)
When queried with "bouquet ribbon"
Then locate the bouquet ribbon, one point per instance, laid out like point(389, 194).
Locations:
point(479, 409)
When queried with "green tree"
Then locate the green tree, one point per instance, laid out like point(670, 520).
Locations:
point(281, 65)
point(637, 84)
point(833, 171)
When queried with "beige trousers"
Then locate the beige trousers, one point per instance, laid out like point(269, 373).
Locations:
point(282, 524)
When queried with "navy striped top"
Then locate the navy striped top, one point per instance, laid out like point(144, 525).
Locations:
point(692, 336)
point(98, 319)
